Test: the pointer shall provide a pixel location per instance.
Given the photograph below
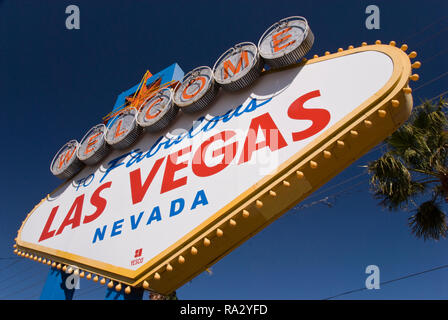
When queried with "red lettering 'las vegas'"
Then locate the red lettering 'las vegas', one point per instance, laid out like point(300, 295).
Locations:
point(141, 181)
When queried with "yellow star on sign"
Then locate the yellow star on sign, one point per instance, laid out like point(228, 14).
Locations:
point(143, 93)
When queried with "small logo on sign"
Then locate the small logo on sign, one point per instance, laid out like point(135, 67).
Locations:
point(138, 253)
point(138, 257)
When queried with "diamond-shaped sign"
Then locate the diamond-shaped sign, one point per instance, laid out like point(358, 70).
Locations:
point(162, 211)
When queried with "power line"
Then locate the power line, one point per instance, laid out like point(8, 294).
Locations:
point(89, 291)
point(425, 28)
point(433, 56)
point(432, 80)
point(337, 185)
point(35, 284)
point(9, 265)
point(13, 275)
point(440, 95)
point(346, 180)
point(429, 38)
point(326, 200)
point(31, 275)
point(389, 281)
point(35, 295)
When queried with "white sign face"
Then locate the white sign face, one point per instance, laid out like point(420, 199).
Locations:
point(123, 214)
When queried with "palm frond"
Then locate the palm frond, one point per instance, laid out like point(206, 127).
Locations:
point(429, 221)
point(423, 141)
point(416, 162)
point(430, 117)
point(409, 143)
point(392, 181)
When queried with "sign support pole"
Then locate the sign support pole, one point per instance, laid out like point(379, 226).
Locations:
point(55, 287)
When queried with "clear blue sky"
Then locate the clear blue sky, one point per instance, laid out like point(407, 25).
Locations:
point(56, 83)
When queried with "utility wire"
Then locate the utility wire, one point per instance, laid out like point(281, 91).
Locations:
point(389, 281)
point(89, 291)
point(440, 95)
point(9, 265)
point(425, 28)
point(433, 56)
point(326, 199)
point(13, 275)
point(337, 185)
point(35, 284)
point(31, 275)
point(346, 180)
point(430, 38)
point(431, 81)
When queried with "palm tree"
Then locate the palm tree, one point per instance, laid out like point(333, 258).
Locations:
point(412, 175)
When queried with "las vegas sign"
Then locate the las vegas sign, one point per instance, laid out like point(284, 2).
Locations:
point(163, 191)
